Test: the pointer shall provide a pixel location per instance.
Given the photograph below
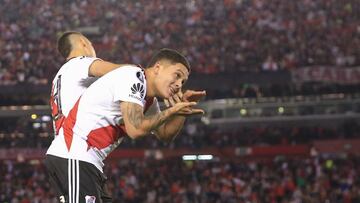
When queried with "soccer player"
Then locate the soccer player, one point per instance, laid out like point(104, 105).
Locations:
point(122, 102)
point(81, 68)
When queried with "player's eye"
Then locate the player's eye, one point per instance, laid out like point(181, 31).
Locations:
point(178, 76)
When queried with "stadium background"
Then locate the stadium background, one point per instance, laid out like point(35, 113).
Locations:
point(282, 78)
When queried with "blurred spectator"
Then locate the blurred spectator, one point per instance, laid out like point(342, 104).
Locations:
point(270, 64)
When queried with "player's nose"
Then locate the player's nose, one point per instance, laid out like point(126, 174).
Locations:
point(178, 84)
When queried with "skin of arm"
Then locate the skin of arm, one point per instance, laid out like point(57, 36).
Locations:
point(165, 124)
point(99, 67)
point(170, 129)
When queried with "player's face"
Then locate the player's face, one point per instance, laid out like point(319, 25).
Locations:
point(171, 78)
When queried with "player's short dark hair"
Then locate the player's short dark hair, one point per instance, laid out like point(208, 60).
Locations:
point(169, 54)
point(64, 45)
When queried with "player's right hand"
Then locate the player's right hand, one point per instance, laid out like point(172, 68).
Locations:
point(185, 109)
point(187, 96)
point(176, 98)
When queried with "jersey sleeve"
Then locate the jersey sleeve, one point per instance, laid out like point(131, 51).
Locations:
point(129, 85)
point(83, 69)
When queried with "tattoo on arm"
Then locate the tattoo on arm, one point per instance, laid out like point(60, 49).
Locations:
point(135, 114)
point(136, 117)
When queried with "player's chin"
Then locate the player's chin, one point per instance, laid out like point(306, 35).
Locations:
point(164, 95)
point(168, 94)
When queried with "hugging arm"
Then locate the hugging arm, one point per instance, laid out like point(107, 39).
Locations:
point(166, 124)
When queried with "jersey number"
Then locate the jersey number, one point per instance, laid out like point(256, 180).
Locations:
point(55, 101)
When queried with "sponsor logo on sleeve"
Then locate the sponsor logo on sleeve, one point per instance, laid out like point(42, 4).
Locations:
point(137, 91)
point(140, 76)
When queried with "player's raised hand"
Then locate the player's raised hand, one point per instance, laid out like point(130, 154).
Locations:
point(188, 96)
point(193, 96)
point(185, 109)
point(176, 98)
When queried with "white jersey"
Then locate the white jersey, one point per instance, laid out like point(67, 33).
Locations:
point(95, 126)
point(68, 85)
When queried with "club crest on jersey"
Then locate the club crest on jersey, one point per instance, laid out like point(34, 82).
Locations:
point(140, 76)
point(138, 88)
point(90, 199)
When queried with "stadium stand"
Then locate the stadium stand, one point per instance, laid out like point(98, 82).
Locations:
point(291, 133)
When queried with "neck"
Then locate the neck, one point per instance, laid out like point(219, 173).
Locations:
point(76, 53)
point(150, 90)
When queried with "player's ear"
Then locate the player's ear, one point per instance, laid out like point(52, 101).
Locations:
point(82, 42)
point(157, 67)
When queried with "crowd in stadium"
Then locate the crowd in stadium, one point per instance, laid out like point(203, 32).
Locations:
point(200, 136)
point(314, 179)
point(217, 36)
point(228, 36)
point(246, 90)
point(19, 133)
point(252, 90)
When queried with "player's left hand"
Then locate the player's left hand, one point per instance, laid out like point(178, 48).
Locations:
point(176, 98)
point(193, 96)
point(187, 96)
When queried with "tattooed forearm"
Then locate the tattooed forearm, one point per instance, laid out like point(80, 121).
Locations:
point(157, 119)
point(137, 118)
point(134, 113)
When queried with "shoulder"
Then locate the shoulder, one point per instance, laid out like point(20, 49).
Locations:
point(77, 63)
point(130, 71)
point(85, 61)
point(130, 68)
